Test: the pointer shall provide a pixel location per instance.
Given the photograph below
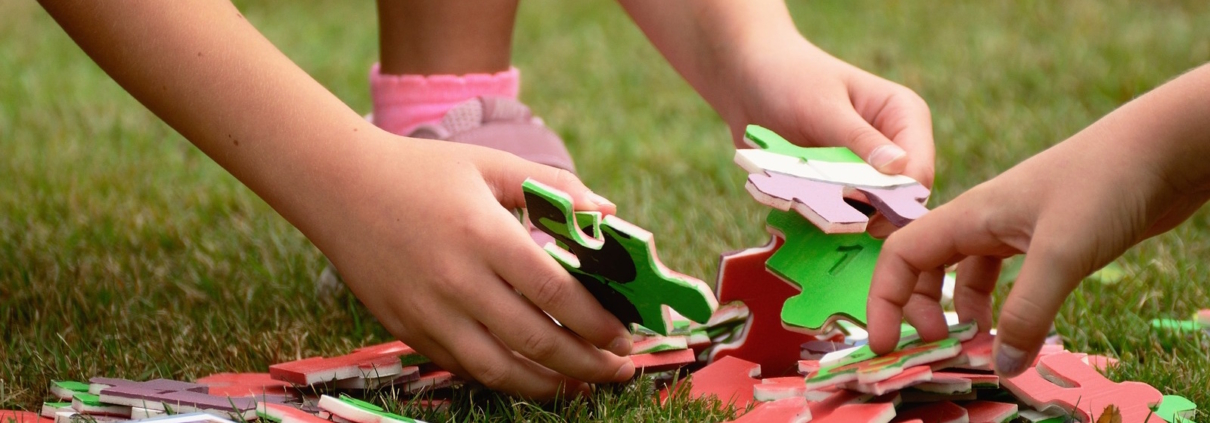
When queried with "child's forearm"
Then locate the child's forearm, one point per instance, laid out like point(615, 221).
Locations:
point(203, 69)
point(704, 39)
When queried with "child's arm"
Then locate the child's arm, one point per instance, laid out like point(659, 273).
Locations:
point(416, 227)
point(1137, 172)
point(747, 59)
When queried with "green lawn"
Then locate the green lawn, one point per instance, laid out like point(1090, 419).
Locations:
point(124, 251)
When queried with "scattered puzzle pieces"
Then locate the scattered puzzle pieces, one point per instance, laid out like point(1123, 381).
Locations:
point(832, 271)
point(1080, 384)
point(742, 277)
point(620, 267)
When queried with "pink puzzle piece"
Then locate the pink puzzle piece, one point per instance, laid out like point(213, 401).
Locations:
point(937, 412)
point(662, 361)
point(1091, 391)
point(909, 377)
point(777, 388)
point(246, 385)
point(990, 411)
point(830, 411)
point(730, 379)
point(976, 354)
point(787, 410)
point(368, 362)
point(742, 277)
point(822, 203)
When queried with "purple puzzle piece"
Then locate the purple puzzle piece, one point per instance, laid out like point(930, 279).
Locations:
point(822, 203)
point(901, 205)
point(162, 385)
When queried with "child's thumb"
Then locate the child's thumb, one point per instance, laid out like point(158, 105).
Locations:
point(852, 131)
point(1048, 275)
point(507, 180)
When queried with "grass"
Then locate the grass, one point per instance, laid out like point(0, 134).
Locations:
point(124, 251)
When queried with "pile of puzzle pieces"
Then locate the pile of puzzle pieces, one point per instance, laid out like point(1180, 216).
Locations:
point(291, 392)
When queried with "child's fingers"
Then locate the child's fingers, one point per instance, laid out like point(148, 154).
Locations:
point(845, 127)
point(507, 173)
point(485, 359)
point(977, 276)
point(905, 256)
point(904, 118)
point(1052, 269)
point(550, 287)
point(923, 309)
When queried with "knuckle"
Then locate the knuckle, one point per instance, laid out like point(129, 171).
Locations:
point(540, 346)
point(492, 375)
point(862, 135)
point(550, 290)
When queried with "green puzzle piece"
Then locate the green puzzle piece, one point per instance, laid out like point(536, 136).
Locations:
point(616, 262)
point(833, 271)
point(769, 141)
point(1176, 409)
point(375, 409)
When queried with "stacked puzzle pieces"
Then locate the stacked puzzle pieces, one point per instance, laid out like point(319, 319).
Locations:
point(291, 392)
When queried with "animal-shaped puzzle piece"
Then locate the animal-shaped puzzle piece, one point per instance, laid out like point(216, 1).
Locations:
point(371, 362)
point(1076, 383)
point(833, 164)
point(1176, 409)
point(620, 268)
point(178, 401)
point(359, 411)
point(767, 140)
point(823, 203)
point(742, 277)
point(833, 272)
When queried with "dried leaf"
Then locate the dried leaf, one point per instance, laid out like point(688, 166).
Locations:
point(1110, 415)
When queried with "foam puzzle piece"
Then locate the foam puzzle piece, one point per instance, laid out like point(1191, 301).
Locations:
point(937, 412)
point(1077, 383)
point(909, 377)
point(990, 411)
point(140, 413)
point(64, 389)
point(833, 272)
point(623, 271)
point(194, 417)
point(1175, 408)
point(845, 407)
point(96, 384)
point(731, 380)
point(785, 410)
point(659, 343)
point(1176, 326)
point(662, 361)
point(908, 337)
point(777, 388)
point(90, 404)
point(178, 401)
point(282, 413)
point(976, 354)
point(913, 395)
point(359, 411)
point(765, 139)
point(815, 350)
point(1203, 318)
point(371, 362)
point(947, 383)
point(862, 365)
point(823, 203)
point(50, 408)
point(433, 380)
point(246, 385)
point(1052, 415)
point(18, 416)
point(742, 277)
point(808, 367)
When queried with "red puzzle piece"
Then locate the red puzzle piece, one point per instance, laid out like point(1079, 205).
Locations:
point(1091, 391)
point(372, 361)
point(788, 410)
point(910, 376)
point(17, 416)
point(662, 361)
point(246, 385)
point(990, 411)
point(742, 277)
point(730, 379)
point(287, 414)
point(777, 388)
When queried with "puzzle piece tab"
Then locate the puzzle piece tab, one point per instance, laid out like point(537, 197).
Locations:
point(833, 272)
point(1079, 384)
point(620, 267)
point(742, 277)
point(823, 203)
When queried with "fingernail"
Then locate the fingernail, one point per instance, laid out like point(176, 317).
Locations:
point(884, 155)
point(625, 372)
point(1009, 360)
point(599, 200)
point(620, 346)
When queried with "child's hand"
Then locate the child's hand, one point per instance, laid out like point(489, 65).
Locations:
point(425, 239)
point(1071, 210)
point(814, 99)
